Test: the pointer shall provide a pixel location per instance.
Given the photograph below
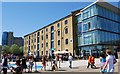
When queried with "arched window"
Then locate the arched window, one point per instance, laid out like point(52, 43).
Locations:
point(66, 21)
point(66, 30)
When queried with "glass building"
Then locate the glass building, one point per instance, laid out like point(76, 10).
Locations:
point(4, 38)
point(98, 27)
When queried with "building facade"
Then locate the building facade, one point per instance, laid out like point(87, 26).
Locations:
point(98, 28)
point(9, 39)
point(54, 37)
point(93, 28)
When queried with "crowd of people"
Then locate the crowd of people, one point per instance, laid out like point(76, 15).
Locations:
point(107, 62)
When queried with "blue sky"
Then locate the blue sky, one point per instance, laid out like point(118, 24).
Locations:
point(25, 17)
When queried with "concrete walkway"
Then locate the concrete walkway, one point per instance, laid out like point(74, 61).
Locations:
point(78, 66)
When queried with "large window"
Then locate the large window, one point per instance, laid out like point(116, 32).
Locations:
point(58, 42)
point(58, 33)
point(52, 44)
point(47, 44)
point(66, 21)
point(66, 41)
point(46, 36)
point(66, 30)
point(58, 25)
point(42, 45)
point(52, 28)
point(38, 46)
point(38, 33)
point(52, 36)
point(42, 37)
point(46, 29)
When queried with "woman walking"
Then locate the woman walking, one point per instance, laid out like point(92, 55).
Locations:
point(24, 65)
point(31, 63)
point(44, 62)
point(102, 60)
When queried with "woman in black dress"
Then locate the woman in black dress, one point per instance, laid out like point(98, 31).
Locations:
point(24, 65)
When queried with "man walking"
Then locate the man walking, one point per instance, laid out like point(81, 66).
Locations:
point(70, 60)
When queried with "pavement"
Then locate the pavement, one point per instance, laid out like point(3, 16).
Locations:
point(77, 66)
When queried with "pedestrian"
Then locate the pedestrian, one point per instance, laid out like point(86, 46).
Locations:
point(93, 62)
point(89, 61)
point(5, 63)
point(102, 60)
point(44, 62)
point(70, 60)
point(30, 63)
point(109, 65)
point(18, 69)
point(24, 65)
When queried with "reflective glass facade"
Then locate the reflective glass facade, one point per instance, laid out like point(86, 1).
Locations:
point(98, 28)
point(4, 38)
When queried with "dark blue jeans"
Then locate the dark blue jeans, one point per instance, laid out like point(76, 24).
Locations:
point(70, 64)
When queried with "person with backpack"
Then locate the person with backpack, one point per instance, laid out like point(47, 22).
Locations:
point(89, 61)
point(5, 64)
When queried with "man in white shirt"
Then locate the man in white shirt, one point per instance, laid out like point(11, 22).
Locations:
point(70, 60)
point(109, 65)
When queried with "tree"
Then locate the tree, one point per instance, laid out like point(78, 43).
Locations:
point(5, 49)
point(15, 49)
point(21, 50)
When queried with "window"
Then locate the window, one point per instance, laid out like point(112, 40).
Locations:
point(66, 41)
point(42, 45)
point(52, 36)
point(38, 33)
point(46, 29)
point(38, 40)
point(58, 25)
point(37, 46)
point(46, 52)
point(35, 35)
point(42, 31)
point(58, 33)
point(47, 44)
point(52, 28)
point(66, 21)
point(52, 44)
point(89, 25)
point(46, 36)
point(42, 37)
point(42, 53)
point(66, 31)
point(34, 46)
point(31, 47)
point(58, 42)
point(34, 40)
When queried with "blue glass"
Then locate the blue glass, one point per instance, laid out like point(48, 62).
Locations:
point(52, 28)
point(52, 44)
point(4, 38)
point(52, 36)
